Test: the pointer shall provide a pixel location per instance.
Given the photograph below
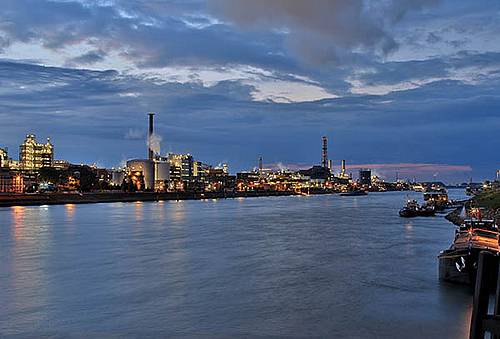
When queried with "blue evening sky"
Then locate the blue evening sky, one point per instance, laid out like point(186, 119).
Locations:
point(397, 85)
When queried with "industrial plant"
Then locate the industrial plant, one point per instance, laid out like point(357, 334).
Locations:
point(37, 171)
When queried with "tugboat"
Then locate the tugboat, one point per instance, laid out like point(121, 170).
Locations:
point(413, 209)
point(458, 264)
point(353, 193)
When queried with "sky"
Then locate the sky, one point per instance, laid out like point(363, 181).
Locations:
point(406, 86)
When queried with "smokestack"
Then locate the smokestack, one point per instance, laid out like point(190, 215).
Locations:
point(150, 136)
point(260, 165)
point(324, 158)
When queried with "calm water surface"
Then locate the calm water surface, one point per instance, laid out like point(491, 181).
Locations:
point(319, 266)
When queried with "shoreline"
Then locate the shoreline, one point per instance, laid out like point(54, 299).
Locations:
point(40, 199)
point(489, 201)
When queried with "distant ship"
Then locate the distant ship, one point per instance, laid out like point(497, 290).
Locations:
point(458, 264)
point(353, 193)
point(413, 209)
point(437, 198)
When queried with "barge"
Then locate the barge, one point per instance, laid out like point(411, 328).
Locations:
point(459, 263)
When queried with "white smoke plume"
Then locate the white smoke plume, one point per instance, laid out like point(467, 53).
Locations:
point(154, 142)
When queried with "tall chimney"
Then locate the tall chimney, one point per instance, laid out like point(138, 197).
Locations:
point(342, 170)
point(324, 158)
point(150, 136)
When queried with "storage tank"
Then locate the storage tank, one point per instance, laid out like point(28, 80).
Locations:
point(162, 175)
point(144, 168)
point(117, 177)
point(162, 171)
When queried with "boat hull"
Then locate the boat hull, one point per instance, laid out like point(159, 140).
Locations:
point(411, 213)
point(460, 267)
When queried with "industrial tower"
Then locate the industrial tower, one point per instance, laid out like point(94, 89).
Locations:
point(151, 153)
point(324, 158)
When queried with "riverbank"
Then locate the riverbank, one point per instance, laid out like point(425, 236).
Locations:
point(107, 197)
point(489, 201)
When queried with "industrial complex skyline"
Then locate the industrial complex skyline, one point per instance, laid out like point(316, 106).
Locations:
point(399, 86)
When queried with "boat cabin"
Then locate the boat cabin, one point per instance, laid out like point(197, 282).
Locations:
point(480, 234)
point(438, 197)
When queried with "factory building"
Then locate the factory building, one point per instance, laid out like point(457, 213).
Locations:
point(316, 173)
point(142, 174)
point(117, 177)
point(162, 175)
point(34, 155)
point(181, 167)
point(149, 174)
point(365, 177)
point(61, 164)
point(3, 158)
point(343, 172)
point(11, 182)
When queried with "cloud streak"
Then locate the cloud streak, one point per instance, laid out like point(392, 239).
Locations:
point(326, 31)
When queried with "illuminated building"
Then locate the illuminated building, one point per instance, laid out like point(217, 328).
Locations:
point(117, 177)
point(248, 181)
point(60, 164)
point(141, 173)
point(3, 158)
point(317, 173)
point(365, 177)
point(220, 180)
point(201, 171)
point(181, 167)
point(162, 175)
point(11, 182)
point(34, 155)
point(103, 175)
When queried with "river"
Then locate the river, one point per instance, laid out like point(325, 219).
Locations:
point(316, 266)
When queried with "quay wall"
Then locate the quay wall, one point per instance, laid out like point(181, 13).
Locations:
point(37, 199)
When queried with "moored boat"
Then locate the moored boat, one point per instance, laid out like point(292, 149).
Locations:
point(458, 264)
point(437, 198)
point(413, 209)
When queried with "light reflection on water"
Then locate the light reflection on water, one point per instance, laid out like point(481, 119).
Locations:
point(325, 266)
